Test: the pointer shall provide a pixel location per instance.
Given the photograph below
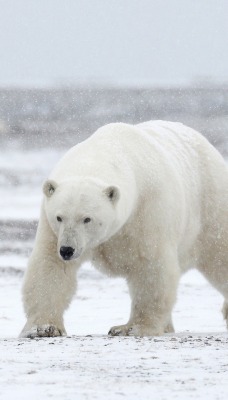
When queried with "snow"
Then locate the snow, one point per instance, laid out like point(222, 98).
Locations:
point(21, 178)
point(88, 364)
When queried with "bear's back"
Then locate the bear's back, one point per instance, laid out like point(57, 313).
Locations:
point(120, 149)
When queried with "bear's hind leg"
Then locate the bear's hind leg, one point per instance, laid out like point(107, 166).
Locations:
point(225, 311)
point(214, 266)
point(169, 328)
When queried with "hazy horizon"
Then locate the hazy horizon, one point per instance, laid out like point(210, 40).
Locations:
point(115, 42)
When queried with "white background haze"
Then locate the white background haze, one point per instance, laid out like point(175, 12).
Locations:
point(124, 42)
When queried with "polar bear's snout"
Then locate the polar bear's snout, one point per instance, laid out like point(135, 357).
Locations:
point(66, 252)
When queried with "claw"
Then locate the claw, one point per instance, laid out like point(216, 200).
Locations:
point(43, 331)
point(123, 330)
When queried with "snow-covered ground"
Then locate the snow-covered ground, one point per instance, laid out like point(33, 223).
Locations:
point(192, 363)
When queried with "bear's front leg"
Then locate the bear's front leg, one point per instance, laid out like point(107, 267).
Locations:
point(225, 312)
point(48, 288)
point(153, 292)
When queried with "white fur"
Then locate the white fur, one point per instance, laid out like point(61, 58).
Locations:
point(168, 213)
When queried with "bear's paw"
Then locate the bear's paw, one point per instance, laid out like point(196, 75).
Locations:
point(42, 331)
point(135, 330)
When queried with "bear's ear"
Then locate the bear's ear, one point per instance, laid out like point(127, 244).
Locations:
point(49, 187)
point(113, 193)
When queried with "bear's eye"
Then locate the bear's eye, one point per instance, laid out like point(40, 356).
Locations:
point(87, 220)
point(59, 219)
point(111, 194)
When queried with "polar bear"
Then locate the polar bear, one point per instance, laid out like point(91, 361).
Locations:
point(144, 202)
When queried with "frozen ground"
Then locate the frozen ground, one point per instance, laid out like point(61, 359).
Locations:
point(193, 363)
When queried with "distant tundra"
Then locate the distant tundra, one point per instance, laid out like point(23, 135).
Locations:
point(144, 202)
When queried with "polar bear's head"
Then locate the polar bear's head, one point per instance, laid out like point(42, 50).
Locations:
point(82, 214)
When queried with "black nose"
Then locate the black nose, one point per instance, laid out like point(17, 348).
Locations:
point(66, 252)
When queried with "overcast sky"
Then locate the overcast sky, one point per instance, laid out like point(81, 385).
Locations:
point(133, 42)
